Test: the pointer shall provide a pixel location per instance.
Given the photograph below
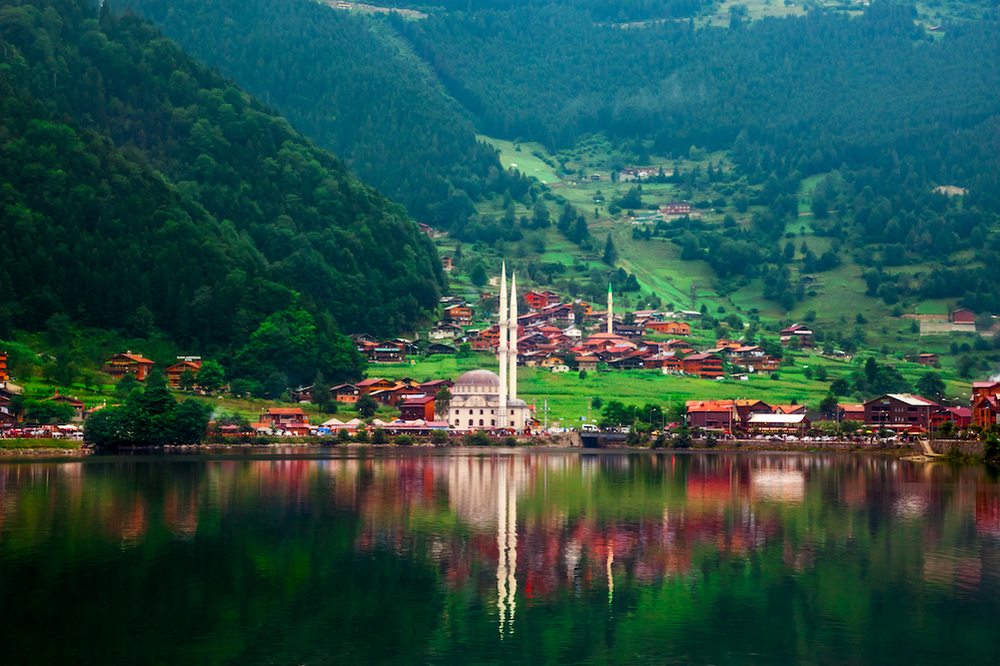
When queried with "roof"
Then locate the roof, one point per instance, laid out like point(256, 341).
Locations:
point(910, 399)
point(709, 405)
point(135, 358)
point(341, 387)
point(785, 419)
point(370, 381)
point(700, 357)
point(285, 411)
point(851, 406)
point(788, 409)
point(422, 400)
point(478, 378)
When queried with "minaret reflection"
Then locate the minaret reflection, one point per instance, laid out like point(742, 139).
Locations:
point(507, 549)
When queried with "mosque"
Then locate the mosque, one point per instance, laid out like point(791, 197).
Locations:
point(483, 399)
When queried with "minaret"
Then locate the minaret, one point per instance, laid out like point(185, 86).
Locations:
point(513, 337)
point(611, 307)
point(504, 348)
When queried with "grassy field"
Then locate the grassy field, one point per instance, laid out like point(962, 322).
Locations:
point(14, 444)
point(568, 396)
point(520, 156)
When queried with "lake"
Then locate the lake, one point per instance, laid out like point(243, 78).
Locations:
point(498, 556)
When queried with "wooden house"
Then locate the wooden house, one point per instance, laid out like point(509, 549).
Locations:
point(850, 412)
point(986, 411)
point(538, 300)
point(962, 316)
point(284, 419)
point(747, 408)
point(778, 424)
point(712, 415)
point(128, 363)
point(78, 407)
point(803, 334)
point(417, 408)
point(668, 327)
point(706, 366)
point(366, 386)
point(458, 314)
point(789, 409)
point(586, 363)
point(3, 367)
point(345, 393)
point(899, 410)
point(175, 371)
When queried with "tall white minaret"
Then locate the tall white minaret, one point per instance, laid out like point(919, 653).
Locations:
point(611, 308)
point(513, 337)
point(504, 348)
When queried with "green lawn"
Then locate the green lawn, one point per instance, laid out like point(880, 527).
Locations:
point(12, 444)
point(519, 155)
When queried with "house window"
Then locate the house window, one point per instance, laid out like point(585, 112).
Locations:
point(493, 422)
point(457, 423)
point(480, 422)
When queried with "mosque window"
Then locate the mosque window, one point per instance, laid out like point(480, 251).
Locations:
point(480, 422)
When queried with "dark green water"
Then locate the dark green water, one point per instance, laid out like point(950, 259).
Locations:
point(473, 557)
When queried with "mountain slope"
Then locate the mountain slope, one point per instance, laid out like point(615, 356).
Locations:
point(136, 181)
point(345, 81)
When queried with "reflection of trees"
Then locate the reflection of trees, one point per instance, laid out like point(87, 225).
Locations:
point(235, 551)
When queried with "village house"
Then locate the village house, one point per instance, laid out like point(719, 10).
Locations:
point(538, 300)
point(458, 314)
point(345, 393)
point(190, 364)
point(746, 408)
point(447, 264)
point(778, 424)
point(668, 327)
point(986, 403)
point(789, 409)
point(676, 209)
point(586, 363)
point(128, 363)
point(417, 408)
point(78, 407)
point(927, 359)
point(388, 354)
point(302, 394)
point(962, 316)
point(441, 348)
point(900, 411)
point(445, 331)
point(850, 412)
point(706, 366)
point(960, 417)
point(291, 420)
point(712, 415)
point(803, 334)
point(3, 367)
point(7, 416)
point(668, 362)
point(372, 384)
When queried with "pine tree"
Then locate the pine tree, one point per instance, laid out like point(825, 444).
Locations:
point(610, 255)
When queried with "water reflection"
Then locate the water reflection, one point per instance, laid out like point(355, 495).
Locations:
point(674, 548)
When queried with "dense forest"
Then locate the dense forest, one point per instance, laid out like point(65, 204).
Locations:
point(139, 190)
point(353, 87)
point(883, 110)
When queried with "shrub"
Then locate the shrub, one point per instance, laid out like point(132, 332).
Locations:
point(403, 440)
point(478, 439)
point(439, 437)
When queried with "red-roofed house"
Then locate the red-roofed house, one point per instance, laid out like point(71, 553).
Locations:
point(899, 409)
point(288, 419)
point(417, 409)
point(706, 366)
point(668, 327)
point(175, 371)
point(712, 414)
point(128, 363)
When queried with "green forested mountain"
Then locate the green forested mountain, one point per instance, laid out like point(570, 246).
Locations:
point(135, 183)
point(881, 108)
point(353, 87)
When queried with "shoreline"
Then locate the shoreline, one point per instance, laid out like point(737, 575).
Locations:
point(280, 449)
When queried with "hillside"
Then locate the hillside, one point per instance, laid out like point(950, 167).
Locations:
point(350, 84)
point(142, 192)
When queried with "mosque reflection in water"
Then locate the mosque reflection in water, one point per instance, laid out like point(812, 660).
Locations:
point(524, 530)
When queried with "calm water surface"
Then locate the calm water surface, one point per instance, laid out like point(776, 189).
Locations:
point(499, 557)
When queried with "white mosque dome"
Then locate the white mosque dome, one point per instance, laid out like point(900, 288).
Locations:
point(476, 379)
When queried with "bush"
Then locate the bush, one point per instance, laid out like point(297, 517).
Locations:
point(379, 437)
point(478, 439)
point(343, 437)
point(403, 440)
point(510, 441)
point(439, 437)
